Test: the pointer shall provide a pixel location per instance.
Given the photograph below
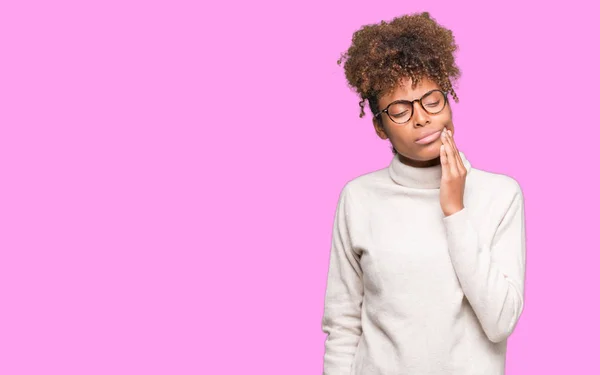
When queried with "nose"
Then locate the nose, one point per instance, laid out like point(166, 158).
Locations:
point(420, 116)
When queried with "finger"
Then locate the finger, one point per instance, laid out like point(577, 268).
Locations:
point(444, 160)
point(461, 165)
point(444, 155)
point(459, 162)
point(452, 143)
point(452, 166)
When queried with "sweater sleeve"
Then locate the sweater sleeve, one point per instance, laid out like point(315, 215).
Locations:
point(492, 277)
point(343, 297)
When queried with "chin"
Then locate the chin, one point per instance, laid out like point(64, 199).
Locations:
point(428, 152)
point(423, 157)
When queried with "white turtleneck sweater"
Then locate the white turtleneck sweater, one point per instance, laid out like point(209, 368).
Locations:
point(411, 291)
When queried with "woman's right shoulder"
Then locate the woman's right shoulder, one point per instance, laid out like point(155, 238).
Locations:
point(363, 185)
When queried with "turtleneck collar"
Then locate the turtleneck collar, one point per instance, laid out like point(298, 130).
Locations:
point(419, 178)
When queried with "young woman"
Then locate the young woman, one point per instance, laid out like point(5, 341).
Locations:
point(427, 263)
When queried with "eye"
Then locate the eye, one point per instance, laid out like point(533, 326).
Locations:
point(401, 114)
point(433, 104)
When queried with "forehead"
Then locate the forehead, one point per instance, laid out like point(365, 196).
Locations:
point(405, 91)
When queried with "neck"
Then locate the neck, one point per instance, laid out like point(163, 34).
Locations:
point(419, 174)
point(419, 163)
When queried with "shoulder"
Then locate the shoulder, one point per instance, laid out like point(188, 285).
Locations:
point(364, 184)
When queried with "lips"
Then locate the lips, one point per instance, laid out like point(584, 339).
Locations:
point(428, 138)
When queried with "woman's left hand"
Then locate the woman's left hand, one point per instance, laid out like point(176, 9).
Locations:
point(454, 175)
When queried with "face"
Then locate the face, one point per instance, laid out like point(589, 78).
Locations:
point(407, 138)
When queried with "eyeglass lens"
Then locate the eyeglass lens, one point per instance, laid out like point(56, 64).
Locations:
point(401, 112)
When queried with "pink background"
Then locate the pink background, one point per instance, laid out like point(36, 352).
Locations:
point(170, 170)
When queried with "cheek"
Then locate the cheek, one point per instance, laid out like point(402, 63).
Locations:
point(402, 138)
point(447, 122)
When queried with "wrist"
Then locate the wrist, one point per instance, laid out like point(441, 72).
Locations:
point(452, 210)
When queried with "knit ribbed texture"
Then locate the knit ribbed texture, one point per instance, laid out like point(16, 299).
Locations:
point(410, 291)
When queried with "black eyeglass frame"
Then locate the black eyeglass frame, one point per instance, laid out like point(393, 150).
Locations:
point(411, 102)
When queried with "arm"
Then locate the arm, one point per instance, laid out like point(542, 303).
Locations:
point(493, 278)
point(343, 298)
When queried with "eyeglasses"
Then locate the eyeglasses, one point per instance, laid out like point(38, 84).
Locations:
point(401, 111)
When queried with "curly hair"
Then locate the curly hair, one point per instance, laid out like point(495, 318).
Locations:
point(411, 46)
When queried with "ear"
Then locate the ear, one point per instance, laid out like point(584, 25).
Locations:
point(379, 129)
